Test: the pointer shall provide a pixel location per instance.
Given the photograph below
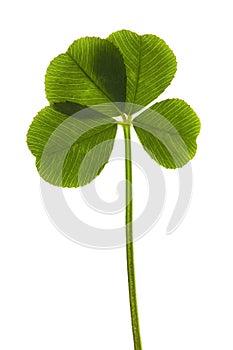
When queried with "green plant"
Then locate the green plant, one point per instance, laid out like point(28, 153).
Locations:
point(96, 76)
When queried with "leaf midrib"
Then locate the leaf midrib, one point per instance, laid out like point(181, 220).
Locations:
point(76, 143)
point(139, 124)
point(90, 78)
point(138, 70)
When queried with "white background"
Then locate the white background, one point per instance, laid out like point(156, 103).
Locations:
point(58, 295)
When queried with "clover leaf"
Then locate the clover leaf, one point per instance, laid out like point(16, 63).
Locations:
point(65, 147)
point(168, 132)
point(150, 65)
point(91, 72)
point(88, 86)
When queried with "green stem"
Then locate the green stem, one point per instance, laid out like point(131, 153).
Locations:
point(129, 241)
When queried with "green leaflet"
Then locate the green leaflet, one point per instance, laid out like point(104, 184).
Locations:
point(91, 72)
point(71, 151)
point(150, 65)
point(168, 132)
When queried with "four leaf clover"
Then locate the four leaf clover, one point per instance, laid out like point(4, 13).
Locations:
point(94, 72)
point(89, 87)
